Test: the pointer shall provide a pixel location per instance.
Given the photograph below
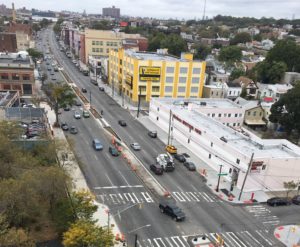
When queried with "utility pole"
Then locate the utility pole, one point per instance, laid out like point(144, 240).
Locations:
point(135, 240)
point(248, 170)
point(169, 132)
point(90, 97)
point(139, 102)
point(217, 189)
point(204, 10)
point(108, 218)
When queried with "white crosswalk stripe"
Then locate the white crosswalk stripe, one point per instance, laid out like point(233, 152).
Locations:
point(194, 196)
point(263, 214)
point(125, 198)
point(231, 239)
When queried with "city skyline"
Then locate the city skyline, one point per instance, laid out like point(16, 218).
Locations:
point(173, 8)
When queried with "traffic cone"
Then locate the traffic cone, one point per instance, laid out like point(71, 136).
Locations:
point(122, 237)
point(166, 194)
point(117, 237)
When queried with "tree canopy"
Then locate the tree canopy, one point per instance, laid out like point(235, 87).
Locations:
point(230, 54)
point(201, 51)
point(270, 72)
point(241, 38)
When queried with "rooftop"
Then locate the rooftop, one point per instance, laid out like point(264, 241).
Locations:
point(7, 98)
point(244, 144)
point(152, 56)
point(20, 59)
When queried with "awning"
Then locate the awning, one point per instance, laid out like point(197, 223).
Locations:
point(255, 122)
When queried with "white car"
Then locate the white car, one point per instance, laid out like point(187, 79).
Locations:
point(77, 115)
point(135, 146)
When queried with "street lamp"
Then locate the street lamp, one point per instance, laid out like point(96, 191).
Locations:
point(136, 236)
point(219, 177)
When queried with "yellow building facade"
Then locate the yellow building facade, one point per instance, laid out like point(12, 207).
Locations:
point(149, 75)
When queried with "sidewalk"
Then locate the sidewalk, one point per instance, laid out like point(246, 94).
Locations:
point(289, 235)
point(71, 166)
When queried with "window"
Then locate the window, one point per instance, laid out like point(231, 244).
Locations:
point(225, 114)
point(208, 114)
point(195, 80)
point(209, 156)
point(260, 114)
point(181, 89)
point(170, 70)
point(196, 70)
point(93, 49)
point(254, 113)
point(4, 76)
point(194, 89)
point(26, 77)
point(213, 115)
point(27, 89)
point(240, 115)
point(107, 43)
point(237, 161)
point(93, 42)
point(227, 124)
point(101, 50)
point(220, 115)
point(15, 77)
point(236, 115)
point(238, 124)
point(143, 88)
point(211, 144)
point(229, 92)
point(155, 89)
point(233, 124)
point(169, 79)
point(168, 89)
point(229, 114)
point(263, 167)
point(97, 42)
point(249, 113)
point(212, 92)
point(107, 50)
point(217, 93)
point(182, 79)
point(183, 70)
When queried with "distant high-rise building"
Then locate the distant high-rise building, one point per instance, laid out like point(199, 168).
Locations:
point(112, 12)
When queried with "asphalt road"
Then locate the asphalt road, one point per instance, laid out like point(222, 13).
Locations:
point(118, 187)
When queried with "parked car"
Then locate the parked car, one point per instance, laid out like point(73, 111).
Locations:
point(78, 103)
point(180, 157)
point(157, 169)
point(166, 162)
point(172, 210)
point(190, 166)
point(73, 130)
point(135, 146)
point(278, 201)
point(64, 126)
point(113, 151)
point(67, 108)
point(101, 89)
point(152, 134)
point(171, 149)
point(97, 144)
point(85, 114)
point(83, 90)
point(296, 200)
point(77, 115)
point(122, 123)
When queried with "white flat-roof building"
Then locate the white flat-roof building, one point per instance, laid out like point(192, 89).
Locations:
point(274, 161)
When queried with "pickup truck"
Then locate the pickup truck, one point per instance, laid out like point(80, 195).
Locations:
point(172, 210)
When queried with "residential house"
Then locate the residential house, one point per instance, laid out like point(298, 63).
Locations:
point(216, 91)
point(24, 35)
point(272, 91)
point(249, 85)
point(234, 90)
point(291, 77)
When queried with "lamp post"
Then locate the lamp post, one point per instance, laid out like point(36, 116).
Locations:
point(139, 102)
point(136, 236)
point(219, 177)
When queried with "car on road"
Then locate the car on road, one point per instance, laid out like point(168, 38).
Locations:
point(278, 201)
point(83, 90)
point(101, 89)
point(172, 210)
point(73, 130)
point(166, 162)
point(77, 115)
point(152, 134)
point(113, 151)
point(53, 78)
point(180, 157)
point(135, 146)
point(296, 200)
point(190, 166)
point(157, 169)
point(171, 149)
point(64, 126)
point(97, 144)
point(52, 73)
point(85, 114)
point(122, 123)
point(78, 103)
point(67, 108)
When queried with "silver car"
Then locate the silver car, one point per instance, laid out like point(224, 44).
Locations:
point(135, 146)
point(77, 115)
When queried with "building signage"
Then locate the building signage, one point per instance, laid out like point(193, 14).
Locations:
point(128, 80)
point(149, 73)
point(256, 166)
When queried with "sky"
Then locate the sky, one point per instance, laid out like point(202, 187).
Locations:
point(165, 9)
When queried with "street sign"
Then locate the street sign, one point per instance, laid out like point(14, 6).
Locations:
point(222, 174)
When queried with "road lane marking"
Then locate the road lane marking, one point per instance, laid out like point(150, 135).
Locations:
point(147, 197)
point(109, 179)
point(124, 178)
point(119, 187)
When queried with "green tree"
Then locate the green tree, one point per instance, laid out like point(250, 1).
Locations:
point(155, 41)
point(236, 73)
point(230, 54)
point(83, 202)
point(257, 37)
point(241, 38)
point(84, 233)
point(270, 72)
point(290, 186)
point(175, 44)
point(286, 111)
point(36, 27)
point(60, 96)
point(201, 51)
point(35, 54)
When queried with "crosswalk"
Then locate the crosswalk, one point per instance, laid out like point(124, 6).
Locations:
point(258, 238)
point(145, 197)
point(264, 215)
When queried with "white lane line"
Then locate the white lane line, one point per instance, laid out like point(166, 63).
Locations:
point(156, 240)
point(96, 157)
point(124, 178)
point(252, 237)
point(193, 196)
point(111, 183)
point(264, 238)
point(147, 197)
point(178, 196)
point(175, 241)
point(169, 242)
point(121, 187)
point(106, 187)
point(114, 198)
point(186, 196)
point(236, 239)
point(209, 197)
point(179, 240)
point(137, 200)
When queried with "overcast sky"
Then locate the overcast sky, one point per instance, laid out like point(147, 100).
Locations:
point(187, 9)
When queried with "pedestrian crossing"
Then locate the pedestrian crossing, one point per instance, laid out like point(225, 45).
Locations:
point(145, 197)
point(264, 215)
point(258, 238)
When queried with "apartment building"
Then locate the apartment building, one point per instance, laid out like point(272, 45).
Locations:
point(17, 73)
point(146, 75)
point(23, 34)
point(111, 12)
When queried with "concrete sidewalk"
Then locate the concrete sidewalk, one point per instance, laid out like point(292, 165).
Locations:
point(69, 162)
point(288, 235)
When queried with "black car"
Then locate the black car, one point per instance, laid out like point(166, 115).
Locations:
point(73, 130)
point(190, 166)
point(113, 151)
point(83, 90)
point(78, 103)
point(172, 210)
point(278, 201)
point(157, 169)
point(67, 108)
point(122, 123)
point(64, 126)
point(101, 89)
point(180, 157)
point(296, 200)
point(152, 134)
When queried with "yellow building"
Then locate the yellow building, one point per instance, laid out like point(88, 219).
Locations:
point(98, 43)
point(155, 75)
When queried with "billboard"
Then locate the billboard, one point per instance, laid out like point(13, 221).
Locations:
point(149, 73)
point(128, 80)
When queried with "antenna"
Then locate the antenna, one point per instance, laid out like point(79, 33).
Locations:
point(204, 9)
